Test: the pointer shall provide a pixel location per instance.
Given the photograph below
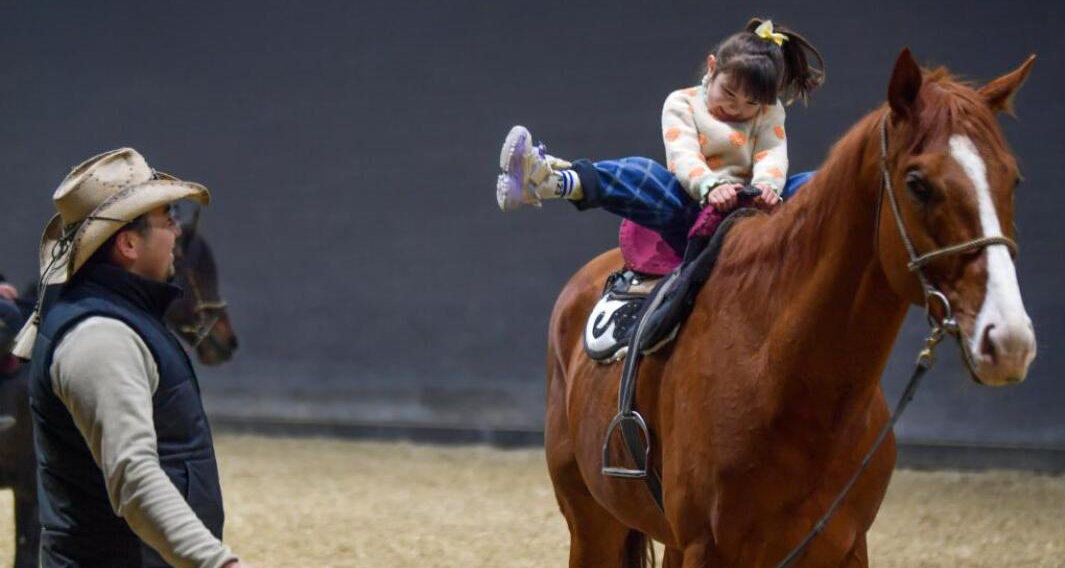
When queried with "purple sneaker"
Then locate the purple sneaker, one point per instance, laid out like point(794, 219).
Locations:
point(528, 172)
point(512, 191)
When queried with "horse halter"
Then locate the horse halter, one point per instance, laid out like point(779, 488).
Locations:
point(208, 313)
point(947, 324)
point(204, 322)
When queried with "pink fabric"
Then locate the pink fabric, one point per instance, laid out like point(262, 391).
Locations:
point(706, 223)
point(645, 251)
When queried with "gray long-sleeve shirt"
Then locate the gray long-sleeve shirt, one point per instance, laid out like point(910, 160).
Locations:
point(106, 376)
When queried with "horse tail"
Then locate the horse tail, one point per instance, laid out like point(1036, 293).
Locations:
point(639, 551)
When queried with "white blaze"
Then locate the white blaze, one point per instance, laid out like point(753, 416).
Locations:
point(1002, 305)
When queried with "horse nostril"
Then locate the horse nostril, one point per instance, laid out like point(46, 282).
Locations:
point(987, 347)
point(233, 343)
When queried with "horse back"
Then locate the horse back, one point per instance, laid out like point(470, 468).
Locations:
point(573, 305)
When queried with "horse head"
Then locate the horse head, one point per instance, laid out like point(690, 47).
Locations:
point(199, 316)
point(946, 225)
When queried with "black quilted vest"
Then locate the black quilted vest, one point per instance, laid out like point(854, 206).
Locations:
point(79, 528)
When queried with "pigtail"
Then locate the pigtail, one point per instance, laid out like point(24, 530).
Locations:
point(799, 78)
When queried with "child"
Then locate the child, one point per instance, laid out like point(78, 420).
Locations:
point(719, 136)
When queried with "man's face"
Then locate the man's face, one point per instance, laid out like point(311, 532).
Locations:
point(155, 249)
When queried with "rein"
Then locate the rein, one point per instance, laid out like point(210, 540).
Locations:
point(941, 328)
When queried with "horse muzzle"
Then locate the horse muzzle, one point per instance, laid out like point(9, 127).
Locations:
point(1001, 350)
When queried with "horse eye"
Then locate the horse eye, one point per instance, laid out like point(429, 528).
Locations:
point(915, 182)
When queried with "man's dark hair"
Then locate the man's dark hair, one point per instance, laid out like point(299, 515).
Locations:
point(103, 254)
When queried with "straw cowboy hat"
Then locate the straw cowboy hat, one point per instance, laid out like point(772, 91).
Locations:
point(94, 201)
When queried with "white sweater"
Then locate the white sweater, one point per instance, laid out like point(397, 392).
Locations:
point(106, 376)
point(703, 151)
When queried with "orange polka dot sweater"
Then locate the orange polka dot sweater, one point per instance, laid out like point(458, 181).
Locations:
point(703, 151)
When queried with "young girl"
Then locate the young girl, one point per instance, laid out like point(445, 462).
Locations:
point(720, 135)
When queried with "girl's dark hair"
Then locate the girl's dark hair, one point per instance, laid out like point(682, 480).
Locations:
point(766, 71)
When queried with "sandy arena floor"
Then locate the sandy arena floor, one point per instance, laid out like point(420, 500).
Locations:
point(329, 503)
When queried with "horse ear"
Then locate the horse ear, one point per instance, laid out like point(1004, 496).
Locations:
point(905, 85)
point(194, 224)
point(999, 93)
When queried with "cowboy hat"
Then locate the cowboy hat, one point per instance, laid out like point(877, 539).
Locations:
point(94, 201)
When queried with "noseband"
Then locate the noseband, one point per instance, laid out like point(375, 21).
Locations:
point(208, 313)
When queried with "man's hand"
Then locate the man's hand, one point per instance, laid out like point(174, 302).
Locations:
point(768, 199)
point(723, 197)
point(236, 564)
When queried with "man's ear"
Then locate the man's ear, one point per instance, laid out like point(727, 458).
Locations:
point(125, 249)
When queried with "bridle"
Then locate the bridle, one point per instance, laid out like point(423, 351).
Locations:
point(940, 328)
point(207, 312)
point(918, 261)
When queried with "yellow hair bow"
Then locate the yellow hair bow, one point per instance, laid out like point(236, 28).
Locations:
point(765, 31)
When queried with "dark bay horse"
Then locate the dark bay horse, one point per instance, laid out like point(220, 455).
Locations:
point(199, 318)
point(769, 398)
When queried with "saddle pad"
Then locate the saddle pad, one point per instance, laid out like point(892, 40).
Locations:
point(613, 319)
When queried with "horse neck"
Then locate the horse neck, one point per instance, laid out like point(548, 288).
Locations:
point(811, 285)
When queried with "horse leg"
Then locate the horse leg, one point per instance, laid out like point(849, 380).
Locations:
point(700, 555)
point(597, 539)
point(673, 558)
point(27, 529)
point(858, 556)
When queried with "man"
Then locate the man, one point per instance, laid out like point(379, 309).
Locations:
point(119, 424)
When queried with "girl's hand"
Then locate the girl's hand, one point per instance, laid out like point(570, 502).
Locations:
point(723, 197)
point(769, 198)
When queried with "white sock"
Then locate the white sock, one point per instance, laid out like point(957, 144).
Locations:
point(565, 184)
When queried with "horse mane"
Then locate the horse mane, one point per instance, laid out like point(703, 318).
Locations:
point(767, 250)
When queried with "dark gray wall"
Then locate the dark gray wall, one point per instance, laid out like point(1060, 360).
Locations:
point(351, 149)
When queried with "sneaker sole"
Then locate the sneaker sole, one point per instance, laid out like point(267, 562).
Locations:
point(509, 194)
point(518, 135)
point(504, 191)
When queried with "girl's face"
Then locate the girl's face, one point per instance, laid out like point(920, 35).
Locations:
point(726, 101)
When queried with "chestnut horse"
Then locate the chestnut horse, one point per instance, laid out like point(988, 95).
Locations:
point(766, 403)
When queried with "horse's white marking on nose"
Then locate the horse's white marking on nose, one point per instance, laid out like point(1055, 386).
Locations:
point(1011, 334)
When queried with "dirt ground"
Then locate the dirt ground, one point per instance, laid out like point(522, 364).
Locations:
point(329, 503)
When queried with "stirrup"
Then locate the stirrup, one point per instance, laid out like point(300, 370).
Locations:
point(624, 472)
